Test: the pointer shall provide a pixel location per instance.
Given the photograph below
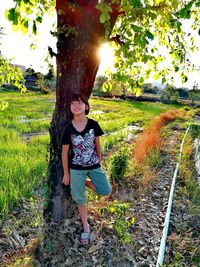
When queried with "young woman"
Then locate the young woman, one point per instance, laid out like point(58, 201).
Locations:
point(81, 158)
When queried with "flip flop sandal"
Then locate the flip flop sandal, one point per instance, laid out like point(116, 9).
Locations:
point(85, 236)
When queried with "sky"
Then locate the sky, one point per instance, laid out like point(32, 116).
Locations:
point(16, 46)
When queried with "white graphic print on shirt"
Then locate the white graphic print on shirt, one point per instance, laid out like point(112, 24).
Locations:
point(84, 149)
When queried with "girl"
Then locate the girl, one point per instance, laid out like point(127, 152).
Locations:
point(81, 158)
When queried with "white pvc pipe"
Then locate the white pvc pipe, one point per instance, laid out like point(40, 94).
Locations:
point(169, 207)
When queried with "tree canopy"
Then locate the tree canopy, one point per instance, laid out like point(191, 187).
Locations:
point(143, 30)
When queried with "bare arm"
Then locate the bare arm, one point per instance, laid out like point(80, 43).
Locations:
point(65, 151)
point(98, 147)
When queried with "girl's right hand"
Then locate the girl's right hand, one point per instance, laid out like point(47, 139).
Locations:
point(66, 179)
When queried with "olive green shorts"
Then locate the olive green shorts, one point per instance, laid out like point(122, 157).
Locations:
point(77, 183)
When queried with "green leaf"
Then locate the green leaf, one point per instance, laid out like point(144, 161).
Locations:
point(107, 86)
point(24, 27)
point(102, 18)
point(157, 76)
point(7, 14)
point(135, 3)
point(129, 33)
point(163, 80)
point(39, 19)
point(199, 31)
point(142, 42)
point(141, 81)
point(11, 14)
point(34, 27)
point(184, 79)
point(22, 6)
point(122, 78)
point(149, 35)
point(29, 11)
point(138, 92)
point(2, 79)
point(136, 28)
point(178, 25)
point(132, 72)
point(100, 6)
point(176, 68)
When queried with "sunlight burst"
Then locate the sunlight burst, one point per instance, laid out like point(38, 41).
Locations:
point(106, 55)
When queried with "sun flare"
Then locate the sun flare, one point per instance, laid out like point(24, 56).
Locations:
point(106, 55)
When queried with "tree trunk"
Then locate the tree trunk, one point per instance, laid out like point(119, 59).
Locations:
point(80, 34)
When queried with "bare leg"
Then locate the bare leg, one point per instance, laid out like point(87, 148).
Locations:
point(90, 184)
point(82, 209)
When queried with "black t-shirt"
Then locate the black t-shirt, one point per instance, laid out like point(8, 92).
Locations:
point(82, 153)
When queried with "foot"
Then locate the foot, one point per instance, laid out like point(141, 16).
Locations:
point(85, 238)
point(90, 184)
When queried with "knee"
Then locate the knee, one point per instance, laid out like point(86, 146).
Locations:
point(105, 191)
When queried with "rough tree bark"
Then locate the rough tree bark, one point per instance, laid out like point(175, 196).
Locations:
point(80, 34)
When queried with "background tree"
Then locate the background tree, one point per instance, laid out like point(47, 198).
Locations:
point(170, 93)
point(109, 87)
point(137, 28)
point(194, 93)
point(9, 73)
point(183, 92)
point(51, 73)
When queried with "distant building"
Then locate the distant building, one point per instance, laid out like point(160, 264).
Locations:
point(30, 81)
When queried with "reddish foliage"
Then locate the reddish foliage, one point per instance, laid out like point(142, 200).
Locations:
point(151, 138)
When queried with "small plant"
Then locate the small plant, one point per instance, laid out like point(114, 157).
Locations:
point(117, 217)
point(154, 158)
point(118, 164)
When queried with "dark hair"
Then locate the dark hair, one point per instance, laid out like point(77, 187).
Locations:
point(77, 97)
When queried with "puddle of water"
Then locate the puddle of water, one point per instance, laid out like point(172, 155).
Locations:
point(23, 119)
point(27, 137)
point(97, 112)
point(134, 127)
point(129, 130)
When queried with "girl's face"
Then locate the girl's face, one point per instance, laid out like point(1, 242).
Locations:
point(78, 107)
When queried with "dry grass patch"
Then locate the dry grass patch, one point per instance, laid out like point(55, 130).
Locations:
point(151, 139)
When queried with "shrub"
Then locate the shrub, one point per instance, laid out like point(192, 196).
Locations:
point(118, 164)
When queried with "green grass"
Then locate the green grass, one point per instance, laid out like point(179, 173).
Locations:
point(186, 200)
point(23, 164)
point(22, 167)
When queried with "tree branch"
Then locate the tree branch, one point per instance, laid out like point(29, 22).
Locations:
point(116, 39)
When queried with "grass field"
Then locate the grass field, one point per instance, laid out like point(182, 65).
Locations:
point(23, 162)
